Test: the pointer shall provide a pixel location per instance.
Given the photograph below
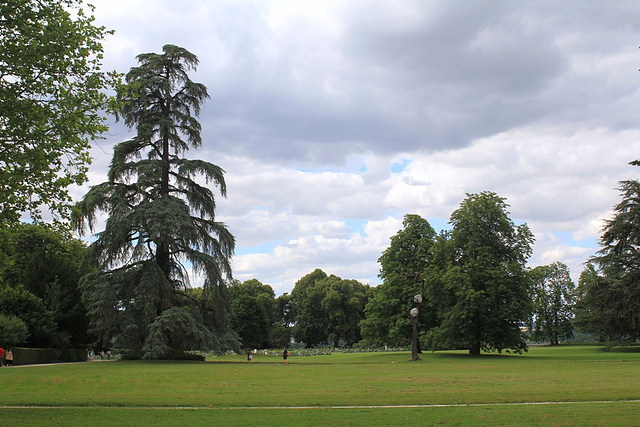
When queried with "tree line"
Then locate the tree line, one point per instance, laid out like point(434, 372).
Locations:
point(476, 291)
point(467, 287)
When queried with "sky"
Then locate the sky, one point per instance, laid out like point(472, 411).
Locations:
point(335, 119)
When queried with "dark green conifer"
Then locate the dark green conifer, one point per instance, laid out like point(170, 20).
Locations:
point(161, 220)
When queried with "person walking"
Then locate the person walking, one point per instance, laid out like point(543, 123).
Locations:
point(8, 356)
point(285, 354)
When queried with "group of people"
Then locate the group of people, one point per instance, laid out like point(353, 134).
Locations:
point(285, 355)
point(6, 357)
point(103, 355)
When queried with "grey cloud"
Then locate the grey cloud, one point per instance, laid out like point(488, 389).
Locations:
point(425, 87)
point(397, 76)
point(449, 73)
point(445, 80)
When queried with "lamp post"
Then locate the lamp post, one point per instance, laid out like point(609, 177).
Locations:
point(413, 314)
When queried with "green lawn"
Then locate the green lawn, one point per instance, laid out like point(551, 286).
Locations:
point(566, 385)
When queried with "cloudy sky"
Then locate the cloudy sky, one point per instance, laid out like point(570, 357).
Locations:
point(334, 119)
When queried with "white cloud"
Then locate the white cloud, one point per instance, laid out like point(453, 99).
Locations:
point(561, 183)
point(314, 103)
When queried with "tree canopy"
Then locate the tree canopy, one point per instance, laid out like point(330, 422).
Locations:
point(553, 302)
point(344, 302)
point(402, 266)
point(24, 310)
point(609, 290)
point(480, 287)
point(253, 315)
point(13, 331)
point(328, 309)
point(46, 262)
point(306, 302)
point(52, 90)
point(600, 306)
point(160, 217)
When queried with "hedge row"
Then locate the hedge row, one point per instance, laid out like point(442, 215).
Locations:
point(33, 356)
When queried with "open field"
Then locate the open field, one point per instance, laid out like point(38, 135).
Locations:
point(567, 385)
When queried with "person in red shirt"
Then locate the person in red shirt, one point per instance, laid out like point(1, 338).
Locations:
point(1, 356)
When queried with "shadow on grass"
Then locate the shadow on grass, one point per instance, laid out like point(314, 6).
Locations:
point(466, 356)
point(621, 349)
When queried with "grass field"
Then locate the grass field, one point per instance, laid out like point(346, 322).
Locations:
point(566, 385)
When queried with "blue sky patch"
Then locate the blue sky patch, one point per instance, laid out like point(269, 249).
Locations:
point(399, 165)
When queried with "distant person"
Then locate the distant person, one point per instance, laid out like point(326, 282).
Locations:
point(1, 356)
point(249, 356)
point(285, 354)
point(8, 356)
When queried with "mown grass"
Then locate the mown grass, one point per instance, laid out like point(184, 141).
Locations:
point(586, 385)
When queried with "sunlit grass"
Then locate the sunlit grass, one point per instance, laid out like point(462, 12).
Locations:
point(232, 390)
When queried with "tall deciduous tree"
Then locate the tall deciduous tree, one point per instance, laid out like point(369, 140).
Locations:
point(402, 266)
point(311, 320)
point(553, 302)
point(484, 294)
point(344, 302)
point(280, 334)
point(51, 92)
point(160, 216)
point(328, 309)
point(253, 307)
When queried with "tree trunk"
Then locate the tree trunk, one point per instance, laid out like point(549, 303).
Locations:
point(162, 255)
point(475, 349)
point(414, 339)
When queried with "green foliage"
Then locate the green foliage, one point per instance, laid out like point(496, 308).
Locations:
point(13, 331)
point(279, 336)
point(602, 307)
point(306, 306)
point(47, 262)
point(403, 264)
point(253, 316)
point(20, 303)
point(173, 332)
point(479, 285)
point(553, 301)
point(344, 302)
point(33, 356)
point(328, 309)
point(280, 333)
point(51, 94)
point(159, 217)
point(609, 290)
